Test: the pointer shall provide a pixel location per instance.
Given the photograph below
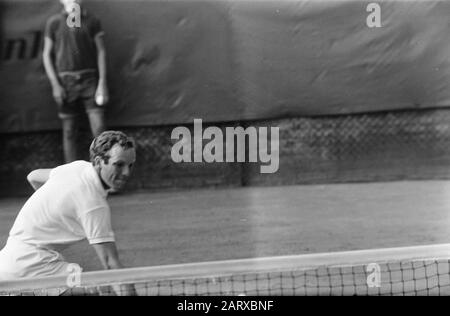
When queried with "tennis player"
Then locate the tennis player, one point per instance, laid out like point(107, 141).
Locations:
point(70, 205)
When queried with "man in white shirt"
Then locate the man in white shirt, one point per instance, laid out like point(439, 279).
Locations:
point(69, 205)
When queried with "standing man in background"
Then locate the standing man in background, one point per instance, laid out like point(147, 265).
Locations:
point(75, 62)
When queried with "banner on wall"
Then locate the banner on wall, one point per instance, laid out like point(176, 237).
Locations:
point(172, 61)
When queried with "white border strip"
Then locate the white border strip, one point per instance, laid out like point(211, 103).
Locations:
point(216, 269)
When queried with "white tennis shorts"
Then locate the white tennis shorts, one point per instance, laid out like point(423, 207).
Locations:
point(21, 260)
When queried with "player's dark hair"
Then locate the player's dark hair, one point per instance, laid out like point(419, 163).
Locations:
point(105, 141)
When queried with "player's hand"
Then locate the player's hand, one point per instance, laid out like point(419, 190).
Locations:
point(59, 94)
point(102, 94)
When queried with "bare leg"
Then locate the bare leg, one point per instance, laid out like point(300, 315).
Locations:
point(69, 139)
point(97, 122)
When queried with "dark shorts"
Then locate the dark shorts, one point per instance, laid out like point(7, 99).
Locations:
point(80, 92)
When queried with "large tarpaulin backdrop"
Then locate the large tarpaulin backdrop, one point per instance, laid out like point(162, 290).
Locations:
point(172, 61)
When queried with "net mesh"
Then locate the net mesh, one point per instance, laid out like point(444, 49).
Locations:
point(396, 271)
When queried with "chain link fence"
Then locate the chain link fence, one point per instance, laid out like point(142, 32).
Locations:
point(401, 145)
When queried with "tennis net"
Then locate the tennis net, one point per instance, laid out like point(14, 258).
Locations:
point(422, 270)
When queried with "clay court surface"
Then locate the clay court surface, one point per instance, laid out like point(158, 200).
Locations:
point(218, 224)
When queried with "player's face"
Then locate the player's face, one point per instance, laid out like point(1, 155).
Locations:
point(117, 171)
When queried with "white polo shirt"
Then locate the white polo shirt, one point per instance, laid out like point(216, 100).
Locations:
point(69, 207)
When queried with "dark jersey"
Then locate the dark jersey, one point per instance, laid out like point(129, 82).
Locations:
point(74, 47)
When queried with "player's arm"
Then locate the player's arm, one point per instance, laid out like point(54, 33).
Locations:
point(101, 64)
point(109, 257)
point(58, 90)
point(38, 177)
